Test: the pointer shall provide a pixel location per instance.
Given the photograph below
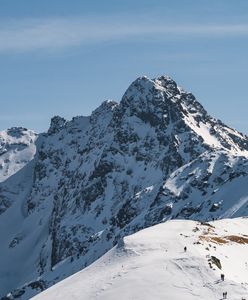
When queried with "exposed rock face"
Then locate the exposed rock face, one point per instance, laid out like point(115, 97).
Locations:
point(57, 123)
point(155, 156)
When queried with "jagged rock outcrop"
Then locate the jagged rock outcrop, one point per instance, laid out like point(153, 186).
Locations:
point(155, 156)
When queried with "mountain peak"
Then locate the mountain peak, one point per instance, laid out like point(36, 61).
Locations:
point(16, 132)
point(146, 93)
point(57, 123)
point(167, 82)
point(155, 156)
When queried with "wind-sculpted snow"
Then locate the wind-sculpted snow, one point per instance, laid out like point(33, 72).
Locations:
point(155, 156)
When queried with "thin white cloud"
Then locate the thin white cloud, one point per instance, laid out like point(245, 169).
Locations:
point(28, 35)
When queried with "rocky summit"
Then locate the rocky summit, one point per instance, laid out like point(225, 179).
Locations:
point(85, 184)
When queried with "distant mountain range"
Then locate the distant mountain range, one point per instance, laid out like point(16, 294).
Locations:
point(69, 195)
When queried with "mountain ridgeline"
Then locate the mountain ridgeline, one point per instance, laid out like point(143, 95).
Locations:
point(155, 156)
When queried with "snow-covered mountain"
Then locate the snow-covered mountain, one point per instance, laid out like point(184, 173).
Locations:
point(152, 264)
point(17, 148)
point(156, 155)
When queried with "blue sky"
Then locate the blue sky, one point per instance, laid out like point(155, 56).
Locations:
point(60, 57)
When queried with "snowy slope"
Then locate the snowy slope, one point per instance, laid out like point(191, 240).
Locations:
point(152, 264)
point(155, 156)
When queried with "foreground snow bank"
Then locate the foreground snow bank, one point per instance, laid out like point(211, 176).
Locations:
point(152, 264)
